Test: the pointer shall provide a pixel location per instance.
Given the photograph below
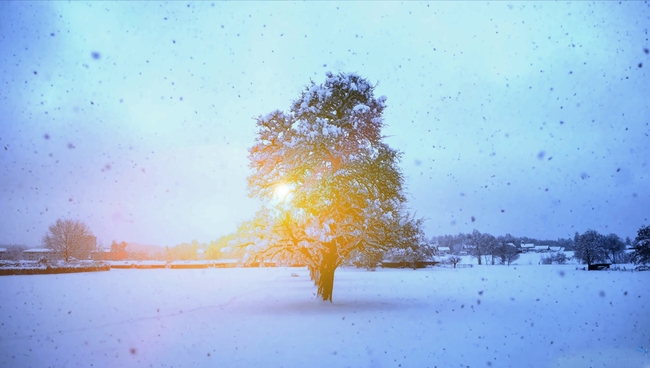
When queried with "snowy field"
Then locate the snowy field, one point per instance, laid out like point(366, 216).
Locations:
point(498, 316)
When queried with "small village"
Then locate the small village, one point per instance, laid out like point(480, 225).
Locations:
point(153, 257)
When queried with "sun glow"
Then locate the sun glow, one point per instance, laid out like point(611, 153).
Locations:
point(282, 191)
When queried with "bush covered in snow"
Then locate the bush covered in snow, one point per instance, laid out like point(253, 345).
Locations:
point(556, 257)
point(44, 267)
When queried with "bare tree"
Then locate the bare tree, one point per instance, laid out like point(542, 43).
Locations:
point(454, 260)
point(481, 245)
point(476, 245)
point(614, 247)
point(491, 247)
point(509, 254)
point(589, 247)
point(14, 252)
point(70, 239)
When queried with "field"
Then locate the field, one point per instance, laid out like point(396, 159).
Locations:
point(498, 316)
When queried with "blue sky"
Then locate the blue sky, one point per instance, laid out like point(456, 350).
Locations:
point(532, 118)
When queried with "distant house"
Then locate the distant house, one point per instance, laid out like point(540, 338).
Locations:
point(541, 248)
point(200, 254)
point(37, 253)
point(3, 253)
point(556, 249)
point(443, 250)
point(225, 263)
point(526, 247)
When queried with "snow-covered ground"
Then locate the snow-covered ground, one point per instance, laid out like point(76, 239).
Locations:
point(498, 316)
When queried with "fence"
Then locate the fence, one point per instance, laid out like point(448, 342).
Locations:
point(459, 265)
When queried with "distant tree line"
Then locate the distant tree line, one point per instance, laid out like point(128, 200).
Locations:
point(458, 242)
point(14, 252)
point(66, 239)
point(592, 247)
point(589, 247)
point(72, 239)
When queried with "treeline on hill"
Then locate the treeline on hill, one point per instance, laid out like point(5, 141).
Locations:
point(456, 243)
point(214, 250)
point(589, 247)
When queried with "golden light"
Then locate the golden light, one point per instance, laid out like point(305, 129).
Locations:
point(281, 191)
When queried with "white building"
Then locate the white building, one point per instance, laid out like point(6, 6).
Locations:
point(525, 247)
point(541, 248)
point(38, 253)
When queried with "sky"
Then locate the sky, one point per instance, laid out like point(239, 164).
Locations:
point(528, 118)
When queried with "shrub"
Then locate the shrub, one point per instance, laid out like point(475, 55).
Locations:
point(557, 258)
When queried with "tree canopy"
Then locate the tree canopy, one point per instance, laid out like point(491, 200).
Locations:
point(70, 239)
point(332, 185)
point(641, 254)
point(589, 247)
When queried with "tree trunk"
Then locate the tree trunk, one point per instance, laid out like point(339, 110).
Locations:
point(326, 279)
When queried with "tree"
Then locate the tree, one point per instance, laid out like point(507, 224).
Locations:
point(346, 189)
point(546, 259)
point(475, 244)
point(641, 254)
point(556, 257)
point(454, 260)
point(508, 253)
point(70, 239)
point(481, 245)
point(118, 251)
point(14, 251)
point(410, 245)
point(614, 247)
point(560, 258)
point(216, 248)
point(491, 248)
point(589, 247)
point(368, 259)
point(183, 251)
